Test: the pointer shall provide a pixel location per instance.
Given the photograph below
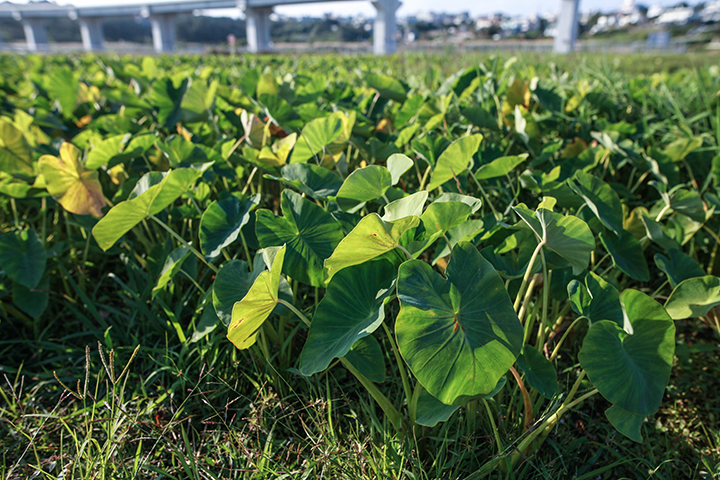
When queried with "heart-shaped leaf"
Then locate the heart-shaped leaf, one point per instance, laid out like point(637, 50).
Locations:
point(222, 221)
point(694, 297)
point(311, 235)
point(77, 190)
point(158, 196)
point(631, 370)
point(540, 374)
point(232, 283)
point(367, 357)
point(353, 308)
point(23, 257)
point(600, 198)
point(363, 185)
point(398, 164)
point(627, 254)
point(312, 180)
point(625, 422)
point(454, 160)
point(459, 335)
point(371, 238)
point(250, 313)
point(412, 205)
point(596, 300)
point(500, 167)
point(15, 152)
point(678, 266)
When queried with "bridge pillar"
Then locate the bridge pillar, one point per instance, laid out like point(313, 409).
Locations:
point(91, 31)
point(36, 34)
point(567, 27)
point(163, 32)
point(257, 26)
point(2, 44)
point(385, 27)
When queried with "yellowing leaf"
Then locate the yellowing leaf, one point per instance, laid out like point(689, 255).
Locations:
point(78, 191)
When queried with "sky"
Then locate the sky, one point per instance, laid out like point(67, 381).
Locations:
point(475, 7)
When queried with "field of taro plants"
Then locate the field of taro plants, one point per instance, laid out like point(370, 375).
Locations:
point(413, 267)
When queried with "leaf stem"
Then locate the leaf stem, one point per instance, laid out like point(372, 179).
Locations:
point(295, 311)
point(526, 277)
point(184, 243)
point(403, 374)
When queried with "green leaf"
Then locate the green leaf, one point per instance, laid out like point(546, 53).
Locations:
point(232, 283)
point(631, 369)
point(454, 160)
point(600, 198)
point(388, 87)
point(688, 202)
point(459, 335)
point(168, 100)
point(431, 411)
point(500, 167)
point(540, 374)
point(62, 85)
point(567, 236)
point(371, 238)
point(22, 257)
point(367, 357)
point(363, 185)
point(106, 151)
point(173, 265)
point(680, 148)
point(412, 205)
point(125, 215)
point(353, 308)
point(474, 203)
point(318, 134)
point(15, 152)
point(596, 300)
point(627, 254)
point(678, 266)
point(32, 301)
point(656, 233)
point(694, 297)
point(250, 313)
point(77, 190)
point(311, 235)
point(221, 223)
point(441, 217)
point(626, 423)
point(180, 152)
point(312, 180)
point(398, 164)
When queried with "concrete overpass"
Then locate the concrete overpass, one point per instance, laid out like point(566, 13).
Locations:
point(35, 16)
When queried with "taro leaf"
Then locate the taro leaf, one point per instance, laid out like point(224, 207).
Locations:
point(388, 87)
point(600, 198)
point(167, 100)
point(311, 235)
point(105, 151)
point(367, 357)
point(679, 149)
point(63, 86)
point(32, 301)
point(221, 223)
point(208, 319)
point(441, 217)
point(539, 372)
point(371, 238)
point(459, 335)
point(474, 203)
point(173, 265)
point(631, 370)
point(480, 117)
point(678, 266)
point(398, 164)
point(430, 411)
point(689, 203)
point(312, 180)
point(23, 257)
point(625, 422)
point(694, 297)
point(15, 152)
point(232, 283)
point(353, 308)
point(454, 160)
point(500, 167)
point(627, 254)
point(568, 236)
point(316, 135)
point(181, 152)
point(77, 190)
point(363, 185)
point(125, 215)
point(250, 313)
point(412, 205)
point(596, 300)
point(656, 233)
